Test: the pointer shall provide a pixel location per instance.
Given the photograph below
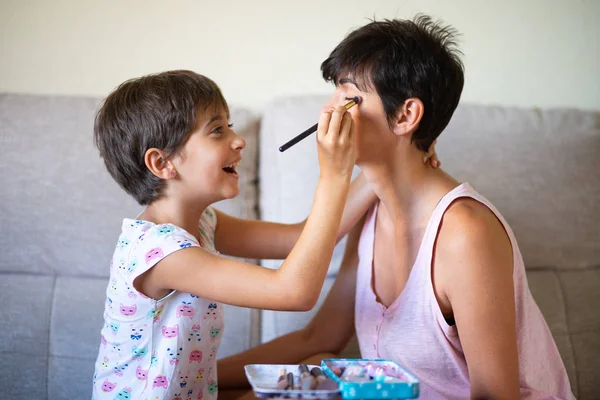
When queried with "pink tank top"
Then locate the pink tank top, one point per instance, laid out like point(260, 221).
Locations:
point(414, 333)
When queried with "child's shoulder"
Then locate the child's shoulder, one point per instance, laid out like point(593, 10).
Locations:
point(147, 237)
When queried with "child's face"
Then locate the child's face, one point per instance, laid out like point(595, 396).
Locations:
point(208, 163)
point(370, 124)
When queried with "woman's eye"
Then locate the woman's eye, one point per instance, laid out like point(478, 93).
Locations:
point(230, 126)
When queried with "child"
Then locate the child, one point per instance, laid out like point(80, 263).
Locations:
point(434, 280)
point(166, 140)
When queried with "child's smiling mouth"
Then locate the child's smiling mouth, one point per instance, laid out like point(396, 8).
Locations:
point(230, 168)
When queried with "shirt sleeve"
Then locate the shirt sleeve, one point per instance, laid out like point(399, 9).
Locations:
point(208, 224)
point(155, 244)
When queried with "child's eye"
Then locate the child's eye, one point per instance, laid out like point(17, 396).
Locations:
point(219, 129)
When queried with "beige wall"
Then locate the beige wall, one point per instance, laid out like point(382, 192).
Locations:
point(517, 52)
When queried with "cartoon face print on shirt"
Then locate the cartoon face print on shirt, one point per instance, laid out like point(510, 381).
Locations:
point(164, 230)
point(212, 386)
point(120, 369)
point(139, 352)
point(131, 293)
point(160, 381)
point(174, 355)
point(136, 333)
point(141, 374)
point(214, 333)
point(108, 386)
point(211, 312)
point(195, 356)
point(113, 286)
point(183, 243)
point(154, 254)
point(200, 375)
point(186, 310)
point(154, 359)
point(195, 334)
point(116, 348)
point(114, 326)
point(183, 378)
point(170, 332)
point(124, 394)
point(213, 353)
point(121, 265)
point(128, 311)
point(123, 242)
point(132, 266)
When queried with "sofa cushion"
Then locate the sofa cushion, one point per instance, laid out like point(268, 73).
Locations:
point(539, 168)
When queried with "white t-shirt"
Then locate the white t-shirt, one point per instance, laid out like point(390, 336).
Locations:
point(157, 349)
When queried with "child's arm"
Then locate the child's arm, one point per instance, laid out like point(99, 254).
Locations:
point(328, 332)
point(297, 283)
point(268, 240)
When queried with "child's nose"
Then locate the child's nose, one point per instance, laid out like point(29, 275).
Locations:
point(239, 142)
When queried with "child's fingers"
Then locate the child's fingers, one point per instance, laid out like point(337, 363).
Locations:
point(324, 120)
point(346, 130)
point(336, 121)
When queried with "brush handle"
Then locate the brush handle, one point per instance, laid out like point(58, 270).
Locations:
point(354, 101)
point(298, 138)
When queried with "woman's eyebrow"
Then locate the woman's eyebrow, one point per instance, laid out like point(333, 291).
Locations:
point(347, 80)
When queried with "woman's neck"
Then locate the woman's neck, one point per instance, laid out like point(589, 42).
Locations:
point(407, 188)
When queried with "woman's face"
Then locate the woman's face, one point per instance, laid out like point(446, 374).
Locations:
point(374, 136)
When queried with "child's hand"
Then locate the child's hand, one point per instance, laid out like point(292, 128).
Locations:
point(336, 143)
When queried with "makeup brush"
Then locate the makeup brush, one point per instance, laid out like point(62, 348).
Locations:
point(307, 381)
point(290, 381)
point(282, 383)
point(323, 383)
point(355, 100)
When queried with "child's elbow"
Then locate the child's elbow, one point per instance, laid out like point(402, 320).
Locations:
point(303, 301)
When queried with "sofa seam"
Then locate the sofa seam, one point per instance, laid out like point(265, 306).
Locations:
point(50, 316)
point(569, 333)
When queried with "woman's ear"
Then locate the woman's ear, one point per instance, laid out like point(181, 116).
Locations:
point(158, 163)
point(408, 117)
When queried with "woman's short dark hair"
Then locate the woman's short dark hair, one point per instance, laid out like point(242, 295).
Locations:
point(402, 59)
point(158, 110)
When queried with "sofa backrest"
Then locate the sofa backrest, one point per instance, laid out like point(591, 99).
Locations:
point(540, 168)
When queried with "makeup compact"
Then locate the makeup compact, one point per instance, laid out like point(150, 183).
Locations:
point(348, 378)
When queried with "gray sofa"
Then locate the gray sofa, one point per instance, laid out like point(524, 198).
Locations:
point(60, 214)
